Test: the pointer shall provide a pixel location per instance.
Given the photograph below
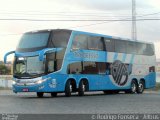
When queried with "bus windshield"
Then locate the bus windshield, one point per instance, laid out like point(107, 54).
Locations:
point(28, 67)
point(33, 40)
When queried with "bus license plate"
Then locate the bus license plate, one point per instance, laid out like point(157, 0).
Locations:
point(25, 90)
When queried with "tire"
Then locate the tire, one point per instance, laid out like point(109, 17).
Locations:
point(68, 88)
point(111, 91)
point(107, 92)
point(116, 92)
point(40, 94)
point(140, 87)
point(133, 88)
point(53, 94)
point(82, 88)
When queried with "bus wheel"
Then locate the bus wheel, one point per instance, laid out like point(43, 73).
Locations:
point(82, 88)
point(40, 94)
point(140, 87)
point(53, 94)
point(68, 88)
point(133, 88)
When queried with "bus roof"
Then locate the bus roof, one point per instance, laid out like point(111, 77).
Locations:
point(112, 37)
point(90, 33)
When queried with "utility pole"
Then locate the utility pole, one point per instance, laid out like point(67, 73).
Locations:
point(134, 29)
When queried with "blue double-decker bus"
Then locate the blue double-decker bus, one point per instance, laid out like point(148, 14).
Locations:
point(58, 60)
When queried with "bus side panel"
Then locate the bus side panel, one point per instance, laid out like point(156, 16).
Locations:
point(57, 81)
point(102, 82)
point(150, 80)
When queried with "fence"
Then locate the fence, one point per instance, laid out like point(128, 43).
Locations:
point(6, 81)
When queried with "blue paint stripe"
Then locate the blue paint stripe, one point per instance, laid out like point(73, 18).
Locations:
point(115, 56)
point(124, 57)
point(132, 59)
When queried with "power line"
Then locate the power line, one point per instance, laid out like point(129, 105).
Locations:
point(68, 14)
point(108, 21)
point(21, 19)
point(114, 21)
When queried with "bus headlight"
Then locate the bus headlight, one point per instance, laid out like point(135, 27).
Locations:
point(13, 82)
point(39, 81)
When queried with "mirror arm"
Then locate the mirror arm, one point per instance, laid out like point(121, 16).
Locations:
point(6, 55)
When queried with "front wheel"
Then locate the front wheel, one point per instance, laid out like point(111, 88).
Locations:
point(40, 94)
point(140, 87)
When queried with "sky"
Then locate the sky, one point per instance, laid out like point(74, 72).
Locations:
point(12, 30)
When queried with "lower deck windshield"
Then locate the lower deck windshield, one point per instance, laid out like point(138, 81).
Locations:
point(31, 67)
point(28, 67)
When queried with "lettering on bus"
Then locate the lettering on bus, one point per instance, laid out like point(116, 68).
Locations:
point(86, 55)
point(120, 72)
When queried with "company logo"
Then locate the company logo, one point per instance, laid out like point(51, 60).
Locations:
point(120, 72)
point(86, 55)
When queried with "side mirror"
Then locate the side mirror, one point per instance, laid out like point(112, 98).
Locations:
point(47, 50)
point(6, 55)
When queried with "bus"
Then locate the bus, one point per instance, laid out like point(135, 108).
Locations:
point(60, 60)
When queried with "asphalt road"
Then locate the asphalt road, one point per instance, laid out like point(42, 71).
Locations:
point(92, 103)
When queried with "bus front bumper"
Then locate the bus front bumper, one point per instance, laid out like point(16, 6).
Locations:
point(41, 85)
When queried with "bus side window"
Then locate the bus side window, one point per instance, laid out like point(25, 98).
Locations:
point(90, 68)
point(75, 68)
point(131, 47)
point(102, 67)
point(50, 58)
point(59, 39)
point(149, 49)
point(109, 43)
point(79, 42)
point(120, 46)
point(95, 43)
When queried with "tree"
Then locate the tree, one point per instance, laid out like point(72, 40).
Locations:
point(4, 70)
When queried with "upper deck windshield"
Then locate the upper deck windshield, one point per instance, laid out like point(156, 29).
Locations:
point(31, 41)
point(34, 41)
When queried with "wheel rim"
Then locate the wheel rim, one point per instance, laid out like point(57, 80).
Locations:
point(141, 87)
point(83, 87)
point(133, 88)
point(70, 88)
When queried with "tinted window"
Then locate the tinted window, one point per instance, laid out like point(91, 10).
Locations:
point(50, 59)
point(149, 49)
point(58, 64)
point(80, 42)
point(109, 43)
point(33, 40)
point(120, 46)
point(131, 47)
point(102, 66)
point(75, 68)
point(60, 54)
point(90, 68)
point(52, 62)
point(95, 43)
point(59, 39)
point(145, 49)
point(141, 48)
